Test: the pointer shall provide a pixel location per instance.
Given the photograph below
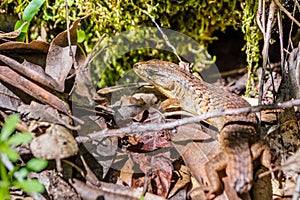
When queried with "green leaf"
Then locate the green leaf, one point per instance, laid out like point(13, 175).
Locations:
point(20, 138)
point(31, 9)
point(70, 3)
point(22, 173)
point(4, 190)
point(30, 186)
point(36, 164)
point(19, 24)
point(24, 30)
point(12, 154)
point(4, 175)
point(9, 126)
point(80, 36)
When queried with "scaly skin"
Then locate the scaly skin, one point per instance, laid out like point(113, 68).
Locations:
point(237, 132)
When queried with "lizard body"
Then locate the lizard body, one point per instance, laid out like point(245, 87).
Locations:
point(238, 133)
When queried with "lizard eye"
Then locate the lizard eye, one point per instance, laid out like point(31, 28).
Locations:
point(157, 72)
point(152, 72)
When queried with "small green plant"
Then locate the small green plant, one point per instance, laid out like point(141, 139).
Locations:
point(28, 14)
point(11, 173)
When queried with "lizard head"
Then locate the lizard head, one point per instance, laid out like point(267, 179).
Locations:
point(163, 75)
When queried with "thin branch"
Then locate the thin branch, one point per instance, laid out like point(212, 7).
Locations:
point(13, 34)
point(71, 53)
point(265, 51)
point(264, 15)
point(258, 17)
point(9, 165)
point(297, 189)
point(290, 44)
point(279, 19)
point(165, 37)
point(136, 128)
point(297, 4)
point(286, 12)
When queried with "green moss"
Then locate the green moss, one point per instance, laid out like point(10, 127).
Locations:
point(197, 19)
point(252, 36)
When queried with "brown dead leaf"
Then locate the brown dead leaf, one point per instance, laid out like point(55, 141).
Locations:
point(127, 172)
point(31, 71)
point(105, 152)
point(148, 99)
point(142, 116)
point(34, 52)
point(262, 187)
point(151, 141)
point(55, 185)
point(11, 77)
point(126, 108)
point(8, 100)
point(157, 169)
point(292, 164)
point(56, 143)
point(184, 178)
point(59, 59)
point(62, 38)
point(45, 113)
point(59, 63)
point(110, 191)
point(84, 87)
point(90, 176)
point(195, 147)
point(284, 141)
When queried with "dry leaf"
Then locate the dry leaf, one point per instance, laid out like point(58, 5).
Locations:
point(59, 63)
point(105, 152)
point(110, 191)
point(59, 58)
point(45, 113)
point(11, 77)
point(157, 168)
point(34, 52)
point(8, 100)
point(56, 143)
point(56, 186)
point(31, 71)
point(184, 178)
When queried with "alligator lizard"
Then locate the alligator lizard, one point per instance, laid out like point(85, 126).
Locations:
point(238, 138)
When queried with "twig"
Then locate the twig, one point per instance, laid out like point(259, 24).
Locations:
point(290, 44)
point(279, 19)
point(297, 189)
point(258, 16)
point(9, 165)
point(264, 16)
point(297, 4)
point(136, 128)
point(286, 12)
point(165, 37)
point(93, 55)
point(13, 34)
point(265, 51)
point(71, 53)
